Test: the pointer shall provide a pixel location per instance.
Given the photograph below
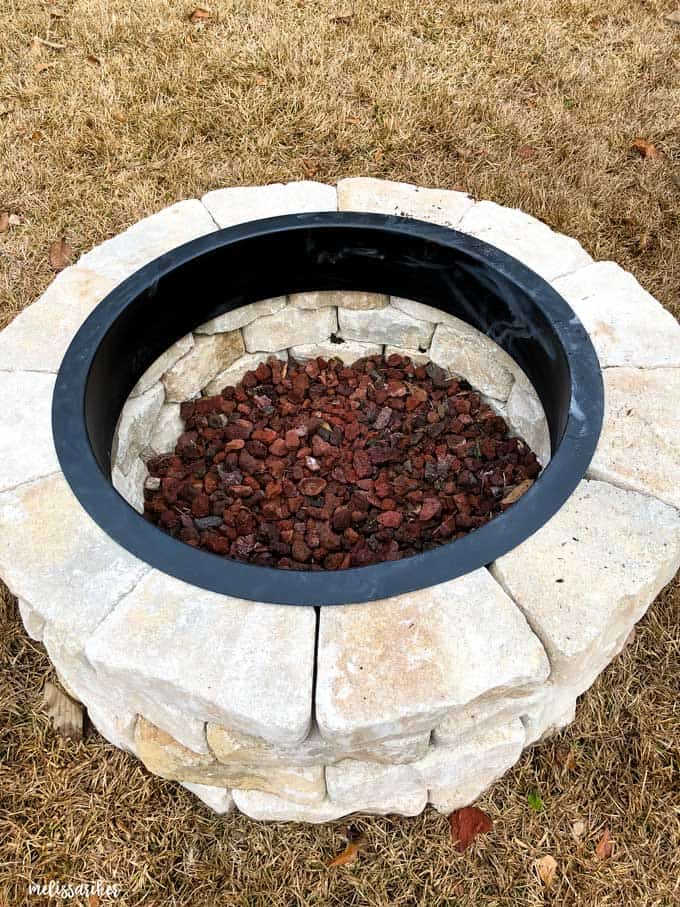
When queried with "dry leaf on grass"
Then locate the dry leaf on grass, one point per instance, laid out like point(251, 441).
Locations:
point(349, 854)
point(645, 149)
point(546, 868)
point(95, 61)
point(94, 900)
point(466, 824)
point(525, 152)
point(60, 254)
point(199, 14)
point(517, 492)
point(604, 846)
point(4, 221)
point(565, 756)
point(65, 713)
point(578, 829)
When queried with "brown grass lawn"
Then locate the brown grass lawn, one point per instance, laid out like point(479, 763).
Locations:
point(130, 107)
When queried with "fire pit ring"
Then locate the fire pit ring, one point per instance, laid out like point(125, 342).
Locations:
point(428, 263)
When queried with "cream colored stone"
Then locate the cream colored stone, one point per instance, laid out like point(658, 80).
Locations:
point(639, 447)
point(245, 203)
point(232, 375)
point(485, 714)
point(242, 664)
point(348, 299)
point(26, 446)
point(525, 416)
point(399, 665)
point(439, 206)
point(40, 334)
point(424, 312)
point(166, 757)
point(233, 748)
point(219, 800)
point(386, 326)
point(628, 327)
point(290, 327)
point(238, 318)
point(117, 728)
point(164, 362)
point(135, 426)
point(131, 486)
point(268, 808)
point(524, 237)
point(467, 352)
point(169, 426)
point(121, 256)
point(371, 783)
point(348, 350)
point(33, 623)
point(209, 356)
point(590, 573)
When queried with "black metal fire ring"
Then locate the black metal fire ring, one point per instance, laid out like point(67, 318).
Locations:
point(219, 272)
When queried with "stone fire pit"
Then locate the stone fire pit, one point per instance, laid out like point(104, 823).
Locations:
point(310, 713)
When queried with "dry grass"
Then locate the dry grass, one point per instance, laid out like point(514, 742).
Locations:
point(436, 93)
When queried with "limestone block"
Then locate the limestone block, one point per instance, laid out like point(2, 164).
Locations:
point(131, 486)
point(439, 206)
point(33, 623)
point(118, 728)
point(424, 312)
point(290, 327)
point(465, 351)
point(245, 203)
point(627, 326)
point(209, 356)
point(246, 363)
point(590, 573)
point(371, 783)
point(169, 426)
point(525, 416)
point(248, 752)
point(26, 447)
point(37, 338)
point(552, 709)
point(349, 351)
point(242, 664)
point(266, 807)
point(486, 714)
point(399, 665)
point(121, 256)
point(348, 299)
point(135, 425)
point(386, 326)
point(164, 362)
point(218, 799)
point(238, 318)
point(639, 447)
point(524, 237)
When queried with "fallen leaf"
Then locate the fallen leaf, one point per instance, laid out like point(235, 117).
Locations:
point(525, 152)
point(546, 868)
point(65, 713)
point(517, 492)
point(60, 254)
point(604, 846)
point(645, 149)
point(200, 15)
point(578, 829)
point(94, 60)
point(535, 802)
point(565, 756)
point(349, 854)
point(4, 221)
point(674, 17)
point(466, 823)
point(94, 900)
point(344, 19)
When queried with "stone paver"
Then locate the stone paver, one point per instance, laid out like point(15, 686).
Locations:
point(399, 665)
point(627, 326)
point(220, 801)
point(424, 312)
point(386, 326)
point(209, 356)
point(351, 780)
point(290, 327)
point(246, 363)
point(238, 318)
point(164, 362)
point(349, 351)
point(26, 446)
point(590, 573)
point(242, 664)
point(439, 206)
point(524, 237)
point(167, 428)
point(268, 808)
point(131, 486)
point(639, 447)
point(36, 340)
point(245, 203)
point(348, 299)
point(465, 351)
point(526, 417)
point(134, 427)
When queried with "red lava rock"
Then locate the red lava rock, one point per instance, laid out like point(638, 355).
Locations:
point(324, 466)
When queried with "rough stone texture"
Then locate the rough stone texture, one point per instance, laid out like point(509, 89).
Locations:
point(166, 757)
point(220, 801)
point(167, 429)
point(238, 318)
point(553, 708)
point(121, 256)
point(387, 326)
point(627, 326)
point(245, 203)
point(548, 253)
point(399, 665)
point(349, 351)
point(164, 362)
point(290, 327)
point(351, 781)
point(232, 375)
point(134, 427)
point(484, 714)
point(26, 447)
point(242, 664)
point(639, 447)
point(590, 573)
point(231, 747)
point(423, 312)
point(466, 351)
point(36, 340)
point(208, 357)
point(348, 299)
point(131, 486)
point(526, 417)
point(439, 206)
point(266, 807)
point(32, 621)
